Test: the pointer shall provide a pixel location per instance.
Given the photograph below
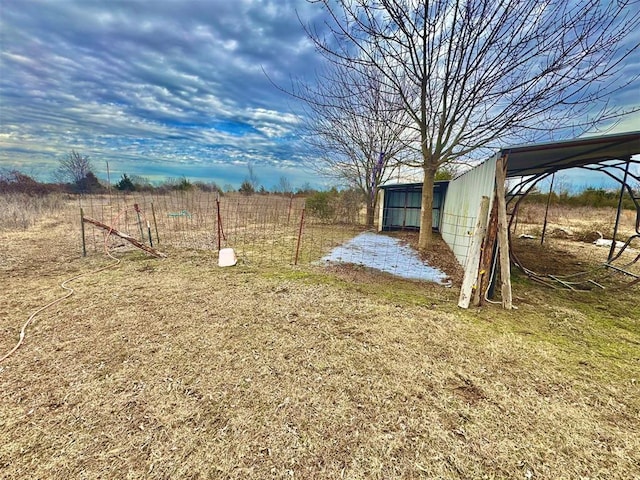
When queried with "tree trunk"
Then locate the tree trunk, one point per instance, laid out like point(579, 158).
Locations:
point(371, 213)
point(426, 211)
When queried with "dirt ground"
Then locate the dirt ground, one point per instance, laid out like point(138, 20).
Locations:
point(176, 368)
point(439, 255)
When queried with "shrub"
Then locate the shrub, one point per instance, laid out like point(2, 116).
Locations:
point(184, 185)
point(14, 181)
point(336, 206)
point(247, 188)
point(321, 204)
point(125, 184)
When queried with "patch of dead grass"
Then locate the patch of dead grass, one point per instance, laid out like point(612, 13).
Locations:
point(178, 369)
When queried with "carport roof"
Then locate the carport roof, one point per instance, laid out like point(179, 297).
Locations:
point(549, 157)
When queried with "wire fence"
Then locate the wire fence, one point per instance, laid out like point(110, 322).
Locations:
point(457, 230)
point(262, 229)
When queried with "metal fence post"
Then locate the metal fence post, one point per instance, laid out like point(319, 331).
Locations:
point(84, 243)
point(299, 237)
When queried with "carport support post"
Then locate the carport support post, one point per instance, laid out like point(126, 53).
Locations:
point(615, 228)
point(473, 259)
point(546, 210)
point(503, 233)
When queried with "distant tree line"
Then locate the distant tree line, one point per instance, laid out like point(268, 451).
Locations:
point(590, 197)
point(75, 175)
point(15, 181)
point(328, 204)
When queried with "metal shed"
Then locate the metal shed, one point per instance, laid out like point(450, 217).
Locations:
point(400, 205)
point(457, 202)
point(612, 155)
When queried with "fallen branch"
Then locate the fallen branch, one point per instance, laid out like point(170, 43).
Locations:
point(124, 236)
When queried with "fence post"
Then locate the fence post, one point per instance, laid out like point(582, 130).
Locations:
point(299, 237)
point(503, 234)
point(473, 258)
point(136, 207)
point(218, 220)
point(290, 204)
point(155, 224)
point(149, 232)
point(84, 243)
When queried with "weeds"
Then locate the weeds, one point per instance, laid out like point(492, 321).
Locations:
point(22, 211)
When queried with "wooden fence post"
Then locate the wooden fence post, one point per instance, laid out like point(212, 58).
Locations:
point(473, 259)
point(503, 233)
point(486, 256)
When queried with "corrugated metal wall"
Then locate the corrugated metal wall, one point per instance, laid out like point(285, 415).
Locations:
point(462, 205)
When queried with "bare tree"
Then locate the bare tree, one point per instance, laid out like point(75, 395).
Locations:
point(252, 178)
point(476, 74)
point(284, 186)
point(75, 168)
point(354, 125)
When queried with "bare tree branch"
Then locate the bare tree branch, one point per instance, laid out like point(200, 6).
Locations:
point(355, 127)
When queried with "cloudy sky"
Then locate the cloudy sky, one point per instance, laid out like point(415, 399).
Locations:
point(162, 89)
point(156, 88)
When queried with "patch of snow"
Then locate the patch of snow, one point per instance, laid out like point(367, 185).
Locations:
point(387, 254)
point(604, 242)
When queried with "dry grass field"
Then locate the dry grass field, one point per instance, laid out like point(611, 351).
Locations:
point(176, 368)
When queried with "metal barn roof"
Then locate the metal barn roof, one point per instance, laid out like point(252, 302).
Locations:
point(417, 185)
point(549, 157)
